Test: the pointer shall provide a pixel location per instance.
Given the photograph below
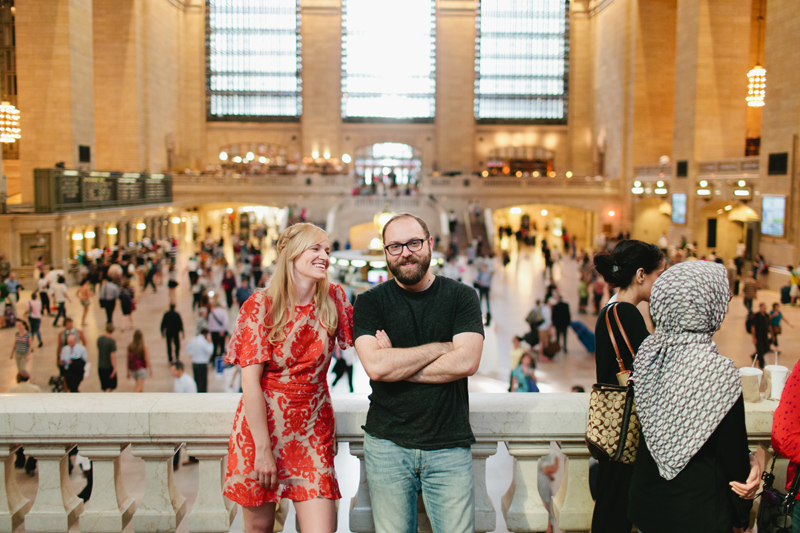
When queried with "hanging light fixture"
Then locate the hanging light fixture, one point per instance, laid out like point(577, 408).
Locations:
point(757, 77)
point(9, 123)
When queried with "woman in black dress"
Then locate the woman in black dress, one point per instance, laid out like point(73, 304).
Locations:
point(632, 267)
point(693, 471)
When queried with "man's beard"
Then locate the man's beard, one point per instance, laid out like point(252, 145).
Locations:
point(412, 276)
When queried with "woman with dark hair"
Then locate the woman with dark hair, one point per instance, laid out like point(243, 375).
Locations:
point(693, 471)
point(632, 267)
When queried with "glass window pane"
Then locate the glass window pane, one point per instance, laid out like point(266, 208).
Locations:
point(522, 61)
point(388, 59)
point(253, 58)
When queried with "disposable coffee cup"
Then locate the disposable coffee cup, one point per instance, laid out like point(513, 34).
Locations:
point(777, 379)
point(751, 383)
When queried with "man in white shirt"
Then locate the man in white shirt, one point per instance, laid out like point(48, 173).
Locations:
point(73, 360)
point(183, 382)
point(218, 326)
point(200, 350)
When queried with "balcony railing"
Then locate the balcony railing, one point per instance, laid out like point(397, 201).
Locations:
point(155, 426)
point(652, 172)
point(745, 167)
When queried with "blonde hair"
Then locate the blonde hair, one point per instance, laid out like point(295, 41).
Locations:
point(281, 292)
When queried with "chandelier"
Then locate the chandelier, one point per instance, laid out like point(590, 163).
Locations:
point(757, 77)
point(9, 123)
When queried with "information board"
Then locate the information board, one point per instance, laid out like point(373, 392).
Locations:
point(679, 208)
point(773, 213)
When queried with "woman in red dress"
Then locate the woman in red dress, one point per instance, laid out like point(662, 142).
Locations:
point(282, 444)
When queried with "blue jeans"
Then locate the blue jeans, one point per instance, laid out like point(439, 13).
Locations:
point(396, 475)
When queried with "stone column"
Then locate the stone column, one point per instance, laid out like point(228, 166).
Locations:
point(212, 512)
point(573, 505)
point(162, 508)
point(110, 508)
point(455, 86)
point(13, 505)
point(56, 508)
point(321, 29)
point(55, 76)
point(360, 504)
point(485, 514)
point(522, 506)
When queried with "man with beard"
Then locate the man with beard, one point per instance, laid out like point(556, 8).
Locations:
point(418, 336)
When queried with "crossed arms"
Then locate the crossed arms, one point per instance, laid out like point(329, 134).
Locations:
point(438, 362)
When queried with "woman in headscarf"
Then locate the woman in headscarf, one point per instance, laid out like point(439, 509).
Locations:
point(693, 470)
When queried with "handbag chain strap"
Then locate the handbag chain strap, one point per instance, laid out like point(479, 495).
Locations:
point(614, 340)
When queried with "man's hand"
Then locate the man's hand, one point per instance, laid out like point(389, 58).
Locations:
point(383, 339)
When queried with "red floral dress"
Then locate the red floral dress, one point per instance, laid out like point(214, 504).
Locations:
point(299, 410)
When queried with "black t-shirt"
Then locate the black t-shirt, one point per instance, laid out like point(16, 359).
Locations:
point(105, 347)
point(605, 356)
point(418, 415)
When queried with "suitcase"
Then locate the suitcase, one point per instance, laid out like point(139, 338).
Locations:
point(11, 318)
point(786, 294)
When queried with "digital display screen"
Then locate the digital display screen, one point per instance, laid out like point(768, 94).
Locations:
point(679, 208)
point(377, 276)
point(773, 212)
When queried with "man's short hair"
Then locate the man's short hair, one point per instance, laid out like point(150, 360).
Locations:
point(23, 376)
point(67, 319)
point(109, 328)
point(171, 307)
point(204, 331)
point(177, 365)
point(406, 215)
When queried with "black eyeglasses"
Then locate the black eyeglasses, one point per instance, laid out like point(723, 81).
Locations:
point(414, 245)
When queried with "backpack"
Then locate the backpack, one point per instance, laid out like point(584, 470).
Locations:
point(534, 318)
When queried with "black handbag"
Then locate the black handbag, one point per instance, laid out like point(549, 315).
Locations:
point(775, 509)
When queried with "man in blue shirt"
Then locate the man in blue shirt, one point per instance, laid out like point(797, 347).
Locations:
point(243, 291)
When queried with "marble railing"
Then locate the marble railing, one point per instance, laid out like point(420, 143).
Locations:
point(155, 426)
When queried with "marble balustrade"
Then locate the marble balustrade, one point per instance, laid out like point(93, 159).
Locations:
point(156, 425)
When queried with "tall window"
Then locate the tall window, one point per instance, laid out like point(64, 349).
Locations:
point(388, 60)
point(522, 61)
point(253, 60)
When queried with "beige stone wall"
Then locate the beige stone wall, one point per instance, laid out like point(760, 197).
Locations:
point(55, 85)
point(581, 91)
point(193, 147)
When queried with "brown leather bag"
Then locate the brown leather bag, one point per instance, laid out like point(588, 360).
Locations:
point(613, 429)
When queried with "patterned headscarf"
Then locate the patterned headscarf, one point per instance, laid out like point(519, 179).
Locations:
point(683, 386)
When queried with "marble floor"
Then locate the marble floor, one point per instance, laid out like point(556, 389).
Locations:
point(515, 287)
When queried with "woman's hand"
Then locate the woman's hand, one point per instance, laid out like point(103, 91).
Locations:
point(383, 339)
point(265, 469)
point(749, 488)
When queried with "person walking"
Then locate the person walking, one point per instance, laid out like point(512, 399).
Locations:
point(139, 367)
point(35, 315)
point(228, 285)
point(761, 329)
point(109, 292)
point(483, 282)
point(43, 294)
point(776, 318)
point(544, 327)
point(283, 341)
point(127, 302)
point(561, 320)
point(632, 266)
point(200, 349)
point(172, 330)
point(419, 336)
point(61, 298)
point(218, 326)
point(107, 359)
point(85, 297)
point(183, 382)
point(693, 470)
point(243, 292)
point(69, 329)
point(22, 348)
point(750, 290)
point(13, 288)
point(344, 365)
point(172, 283)
point(73, 361)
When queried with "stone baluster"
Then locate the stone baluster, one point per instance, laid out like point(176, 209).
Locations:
point(212, 512)
point(56, 508)
point(522, 506)
point(360, 505)
point(162, 507)
point(485, 513)
point(13, 505)
point(573, 504)
point(110, 509)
